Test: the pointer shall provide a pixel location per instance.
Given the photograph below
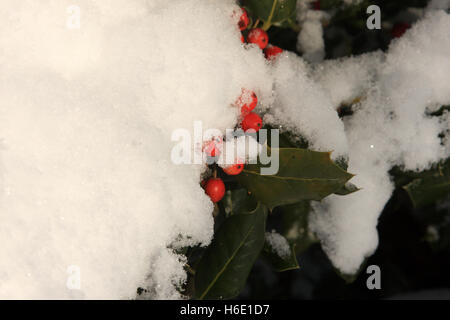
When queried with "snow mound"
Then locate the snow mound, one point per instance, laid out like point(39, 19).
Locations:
point(346, 80)
point(390, 127)
point(86, 116)
point(302, 107)
point(88, 190)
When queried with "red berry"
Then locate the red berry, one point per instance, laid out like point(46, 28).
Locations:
point(234, 169)
point(252, 121)
point(215, 189)
point(243, 20)
point(272, 51)
point(247, 101)
point(399, 29)
point(258, 36)
point(316, 5)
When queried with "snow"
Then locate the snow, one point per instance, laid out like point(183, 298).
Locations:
point(278, 243)
point(389, 128)
point(310, 38)
point(302, 107)
point(86, 117)
point(438, 5)
point(346, 80)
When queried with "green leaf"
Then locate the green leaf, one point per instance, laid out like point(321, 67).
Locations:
point(261, 9)
point(237, 200)
point(294, 219)
point(281, 263)
point(226, 264)
point(433, 186)
point(302, 175)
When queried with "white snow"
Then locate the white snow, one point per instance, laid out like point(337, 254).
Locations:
point(302, 107)
point(310, 38)
point(346, 80)
point(389, 128)
point(86, 117)
point(278, 243)
point(240, 149)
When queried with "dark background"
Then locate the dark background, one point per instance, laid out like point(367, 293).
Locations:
point(410, 259)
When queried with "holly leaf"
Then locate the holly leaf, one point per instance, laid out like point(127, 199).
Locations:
point(261, 9)
point(302, 175)
point(280, 262)
point(432, 186)
point(425, 187)
point(226, 264)
point(237, 200)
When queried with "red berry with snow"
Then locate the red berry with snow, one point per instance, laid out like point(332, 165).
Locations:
point(252, 121)
point(234, 169)
point(259, 37)
point(215, 189)
point(243, 20)
point(272, 51)
point(247, 102)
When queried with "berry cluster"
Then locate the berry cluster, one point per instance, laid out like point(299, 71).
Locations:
point(247, 101)
point(257, 36)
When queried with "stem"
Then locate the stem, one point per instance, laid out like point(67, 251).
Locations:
point(190, 270)
point(256, 23)
point(268, 23)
